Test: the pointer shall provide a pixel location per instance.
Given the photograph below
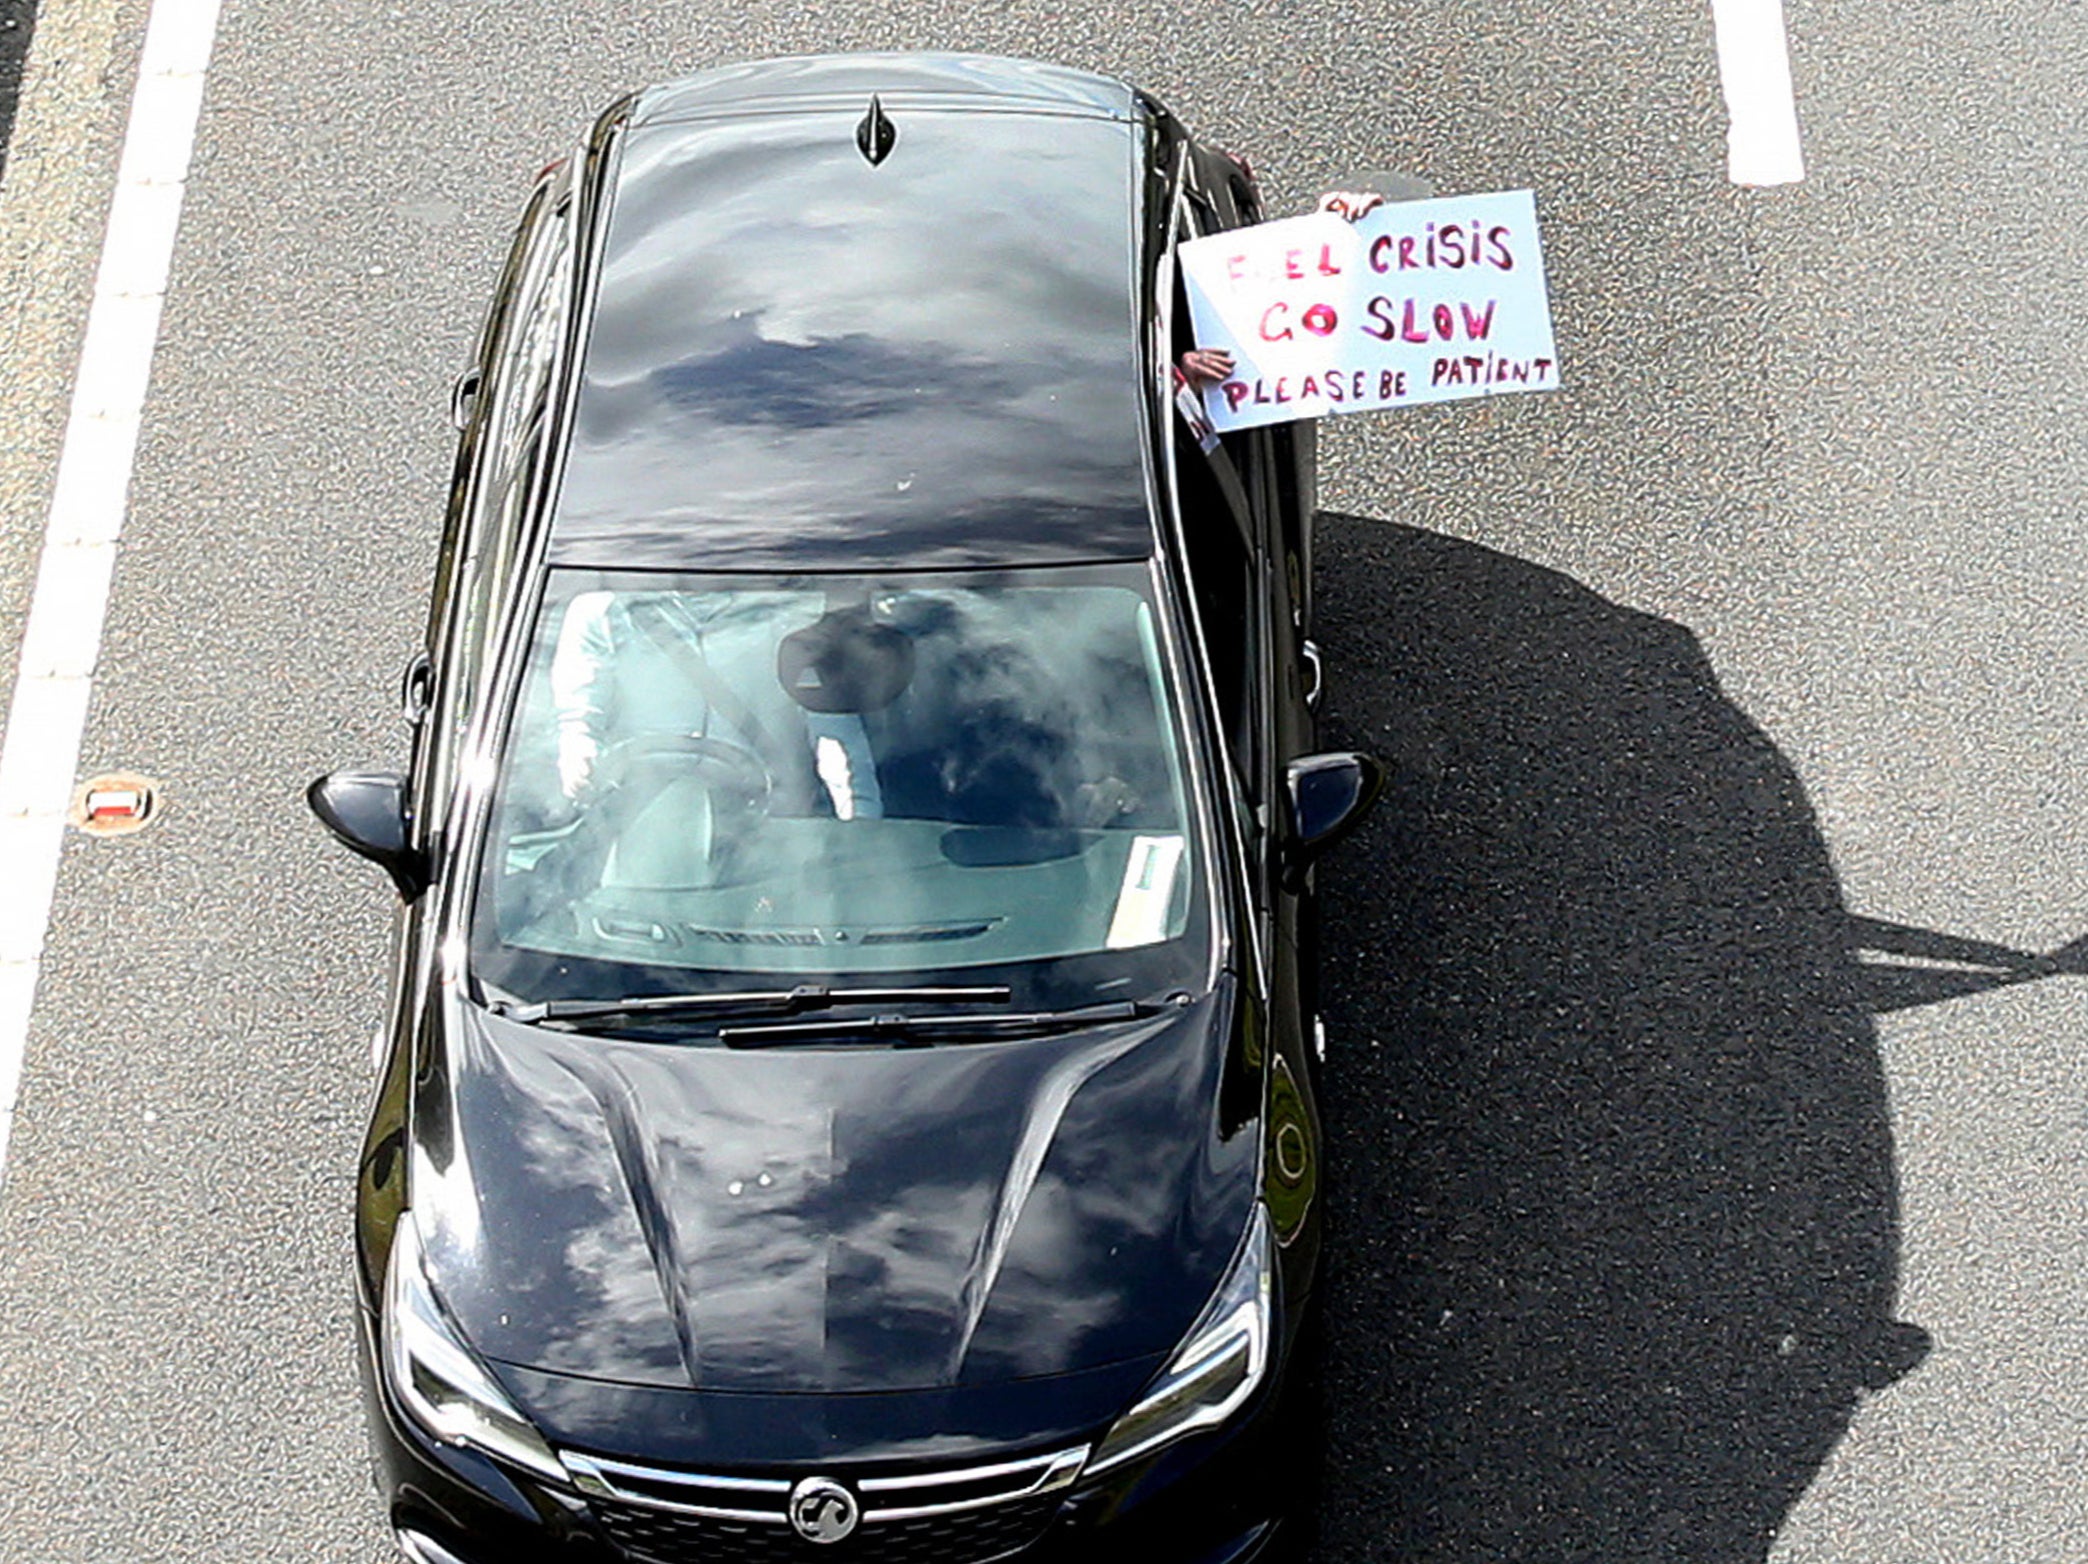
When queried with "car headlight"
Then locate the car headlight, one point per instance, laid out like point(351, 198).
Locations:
point(1216, 1368)
point(437, 1378)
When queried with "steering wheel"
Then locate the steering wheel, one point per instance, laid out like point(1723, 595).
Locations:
point(647, 762)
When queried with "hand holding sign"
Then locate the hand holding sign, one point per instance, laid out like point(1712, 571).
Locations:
point(1206, 366)
point(1419, 301)
point(1351, 204)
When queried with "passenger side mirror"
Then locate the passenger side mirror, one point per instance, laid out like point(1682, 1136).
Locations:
point(366, 810)
point(1328, 796)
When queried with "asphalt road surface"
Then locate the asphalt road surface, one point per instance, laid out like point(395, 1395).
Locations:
point(1768, 624)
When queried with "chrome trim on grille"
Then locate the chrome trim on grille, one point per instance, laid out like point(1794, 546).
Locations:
point(1045, 1474)
point(968, 1474)
point(1053, 1473)
point(596, 1475)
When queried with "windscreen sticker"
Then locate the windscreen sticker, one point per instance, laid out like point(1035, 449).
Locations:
point(1147, 892)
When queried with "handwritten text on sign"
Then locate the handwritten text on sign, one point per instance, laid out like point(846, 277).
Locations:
point(1421, 301)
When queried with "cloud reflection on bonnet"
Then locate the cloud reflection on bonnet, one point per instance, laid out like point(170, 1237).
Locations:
point(855, 1219)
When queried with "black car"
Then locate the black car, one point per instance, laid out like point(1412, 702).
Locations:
point(849, 1088)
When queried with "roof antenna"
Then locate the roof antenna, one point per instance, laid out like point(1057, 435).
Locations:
point(876, 134)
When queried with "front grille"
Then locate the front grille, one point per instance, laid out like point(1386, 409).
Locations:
point(969, 1515)
point(971, 1537)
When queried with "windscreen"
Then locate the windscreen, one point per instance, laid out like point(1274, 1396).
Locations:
point(824, 777)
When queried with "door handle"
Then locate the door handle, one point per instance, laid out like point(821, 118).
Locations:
point(464, 392)
point(417, 688)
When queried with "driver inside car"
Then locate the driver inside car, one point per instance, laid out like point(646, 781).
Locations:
point(664, 665)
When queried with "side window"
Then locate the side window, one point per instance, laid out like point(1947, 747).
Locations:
point(1268, 465)
point(1194, 219)
point(1225, 187)
point(520, 363)
point(517, 422)
point(528, 352)
point(1190, 223)
point(1226, 583)
point(530, 238)
point(1219, 537)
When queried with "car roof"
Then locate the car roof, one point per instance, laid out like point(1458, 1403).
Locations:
point(802, 358)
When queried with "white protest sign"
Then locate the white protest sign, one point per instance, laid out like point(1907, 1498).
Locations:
point(1421, 301)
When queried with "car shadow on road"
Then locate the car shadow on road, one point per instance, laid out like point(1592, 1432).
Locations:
point(1613, 1223)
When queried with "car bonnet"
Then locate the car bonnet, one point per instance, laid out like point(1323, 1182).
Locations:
point(835, 1218)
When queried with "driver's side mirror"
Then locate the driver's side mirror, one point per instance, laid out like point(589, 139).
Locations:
point(1328, 797)
point(366, 811)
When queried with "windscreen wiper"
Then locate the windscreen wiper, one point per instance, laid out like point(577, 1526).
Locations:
point(919, 1030)
point(756, 1002)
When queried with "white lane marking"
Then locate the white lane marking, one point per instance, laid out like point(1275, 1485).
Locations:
point(1754, 66)
point(48, 714)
